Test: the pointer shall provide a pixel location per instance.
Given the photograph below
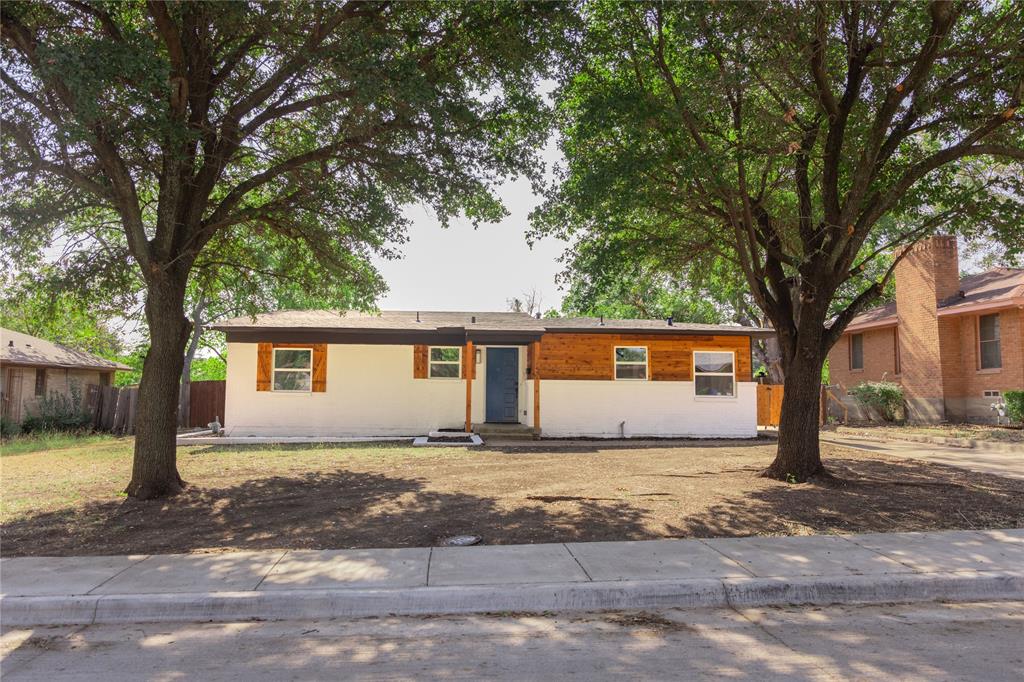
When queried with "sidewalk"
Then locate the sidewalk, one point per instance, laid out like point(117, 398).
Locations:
point(1007, 462)
point(278, 585)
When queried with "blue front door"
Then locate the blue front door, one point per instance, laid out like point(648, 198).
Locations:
point(502, 385)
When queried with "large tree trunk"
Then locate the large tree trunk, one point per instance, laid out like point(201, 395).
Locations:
point(155, 468)
point(799, 457)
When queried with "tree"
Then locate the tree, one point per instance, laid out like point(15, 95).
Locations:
point(805, 142)
point(36, 305)
point(189, 127)
point(528, 302)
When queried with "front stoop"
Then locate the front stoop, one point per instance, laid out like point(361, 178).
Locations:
point(504, 431)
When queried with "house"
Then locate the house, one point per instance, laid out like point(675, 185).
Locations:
point(31, 368)
point(397, 373)
point(954, 344)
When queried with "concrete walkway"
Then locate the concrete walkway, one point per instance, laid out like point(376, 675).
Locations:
point(1001, 463)
point(955, 565)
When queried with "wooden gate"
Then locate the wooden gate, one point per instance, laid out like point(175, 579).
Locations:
point(205, 401)
point(769, 404)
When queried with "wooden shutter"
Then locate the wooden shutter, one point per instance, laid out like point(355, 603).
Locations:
point(264, 365)
point(319, 367)
point(419, 361)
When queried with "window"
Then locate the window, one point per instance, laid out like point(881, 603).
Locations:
point(445, 362)
point(293, 369)
point(40, 381)
point(714, 374)
point(991, 394)
point(896, 349)
point(857, 351)
point(630, 362)
point(989, 353)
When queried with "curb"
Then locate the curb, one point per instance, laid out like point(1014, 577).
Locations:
point(596, 596)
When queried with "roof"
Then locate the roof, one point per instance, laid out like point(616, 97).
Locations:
point(418, 321)
point(22, 349)
point(995, 288)
point(987, 289)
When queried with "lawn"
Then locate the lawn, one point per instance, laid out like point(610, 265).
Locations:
point(64, 497)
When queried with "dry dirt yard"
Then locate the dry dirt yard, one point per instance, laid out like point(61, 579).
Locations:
point(65, 499)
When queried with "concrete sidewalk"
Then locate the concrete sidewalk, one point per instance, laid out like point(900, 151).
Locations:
point(1008, 462)
point(754, 571)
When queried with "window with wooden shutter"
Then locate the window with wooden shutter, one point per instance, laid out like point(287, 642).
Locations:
point(287, 370)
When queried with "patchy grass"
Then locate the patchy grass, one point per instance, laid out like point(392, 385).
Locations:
point(68, 500)
point(44, 442)
point(981, 432)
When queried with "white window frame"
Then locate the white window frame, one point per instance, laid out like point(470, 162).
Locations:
point(616, 362)
point(274, 370)
point(431, 363)
point(731, 374)
point(997, 341)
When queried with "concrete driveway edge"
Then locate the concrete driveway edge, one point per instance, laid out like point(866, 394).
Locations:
point(553, 597)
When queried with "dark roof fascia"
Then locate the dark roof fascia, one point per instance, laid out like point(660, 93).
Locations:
point(497, 337)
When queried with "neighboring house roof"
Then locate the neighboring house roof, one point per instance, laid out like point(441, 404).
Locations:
point(413, 321)
point(990, 290)
point(995, 288)
point(21, 349)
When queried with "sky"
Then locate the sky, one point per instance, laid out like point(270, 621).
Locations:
point(459, 268)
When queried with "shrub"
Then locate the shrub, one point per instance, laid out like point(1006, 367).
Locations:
point(57, 412)
point(8, 427)
point(1014, 406)
point(884, 396)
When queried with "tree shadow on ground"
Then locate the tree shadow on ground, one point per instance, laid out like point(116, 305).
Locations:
point(312, 511)
point(868, 495)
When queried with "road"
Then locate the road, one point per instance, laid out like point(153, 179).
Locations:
point(907, 642)
point(1000, 463)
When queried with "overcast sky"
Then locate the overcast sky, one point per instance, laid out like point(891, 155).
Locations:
point(460, 268)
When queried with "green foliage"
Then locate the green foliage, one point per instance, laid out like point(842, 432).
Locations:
point(884, 396)
point(39, 305)
point(208, 369)
point(8, 427)
point(1014, 405)
point(58, 412)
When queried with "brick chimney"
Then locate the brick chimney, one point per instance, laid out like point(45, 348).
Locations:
point(929, 351)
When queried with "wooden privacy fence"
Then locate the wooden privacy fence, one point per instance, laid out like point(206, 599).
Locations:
point(113, 408)
point(205, 401)
point(769, 404)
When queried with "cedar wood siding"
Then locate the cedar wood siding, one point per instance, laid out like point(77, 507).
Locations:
point(582, 356)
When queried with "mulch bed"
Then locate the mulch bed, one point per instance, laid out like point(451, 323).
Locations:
point(398, 496)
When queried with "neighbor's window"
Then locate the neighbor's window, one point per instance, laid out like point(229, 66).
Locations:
point(293, 369)
point(630, 362)
point(40, 381)
point(988, 342)
point(857, 351)
point(714, 373)
point(445, 362)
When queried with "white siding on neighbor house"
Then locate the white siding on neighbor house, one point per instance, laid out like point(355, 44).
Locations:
point(649, 408)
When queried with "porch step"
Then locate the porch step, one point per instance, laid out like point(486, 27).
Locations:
point(509, 431)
